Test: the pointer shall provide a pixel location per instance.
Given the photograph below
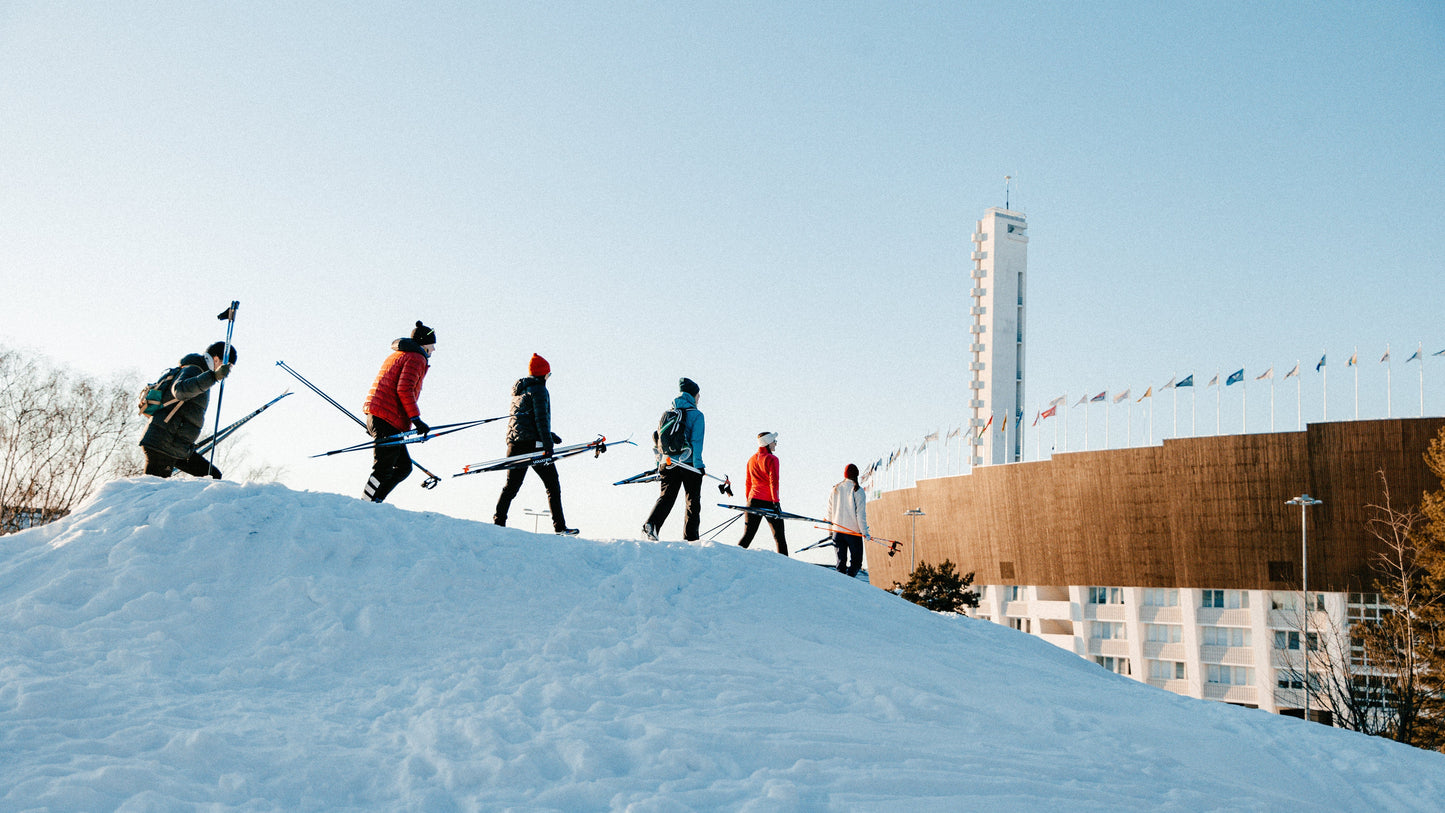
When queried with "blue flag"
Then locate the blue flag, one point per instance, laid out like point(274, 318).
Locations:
point(1235, 377)
point(1321, 364)
point(1187, 382)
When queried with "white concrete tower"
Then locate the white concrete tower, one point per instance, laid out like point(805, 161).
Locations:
point(1000, 262)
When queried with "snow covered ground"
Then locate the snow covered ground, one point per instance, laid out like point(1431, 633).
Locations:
point(208, 645)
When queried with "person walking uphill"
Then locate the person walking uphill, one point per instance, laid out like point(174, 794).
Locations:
point(170, 437)
point(530, 430)
point(678, 478)
point(391, 408)
point(847, 509)
point(762, 489)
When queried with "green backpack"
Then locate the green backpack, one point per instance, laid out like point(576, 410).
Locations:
point(157, 396)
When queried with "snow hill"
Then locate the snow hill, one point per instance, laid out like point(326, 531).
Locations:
point(195, 644)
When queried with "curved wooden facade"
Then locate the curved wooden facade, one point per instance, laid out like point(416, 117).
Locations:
point(1192, 512)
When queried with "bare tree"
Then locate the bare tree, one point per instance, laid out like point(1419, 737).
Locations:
point(61, 435)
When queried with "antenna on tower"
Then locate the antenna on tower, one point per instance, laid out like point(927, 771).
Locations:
point(1006, 180)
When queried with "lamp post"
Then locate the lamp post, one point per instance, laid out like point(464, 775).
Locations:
point(913, 514)
point(536, 516)
point(1304, 501)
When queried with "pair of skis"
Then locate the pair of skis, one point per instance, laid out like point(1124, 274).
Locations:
point(892, 545)
point(209, 443)
point(412, 436)
point(596, 447)
point(725, 485)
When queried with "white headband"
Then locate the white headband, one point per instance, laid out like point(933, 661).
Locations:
point(767, 439)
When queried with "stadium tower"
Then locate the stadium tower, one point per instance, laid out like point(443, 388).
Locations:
point(1000, 261)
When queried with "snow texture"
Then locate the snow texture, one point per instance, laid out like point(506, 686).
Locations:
point(210, 645)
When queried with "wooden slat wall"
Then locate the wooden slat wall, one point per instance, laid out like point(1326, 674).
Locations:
point(1194, 512)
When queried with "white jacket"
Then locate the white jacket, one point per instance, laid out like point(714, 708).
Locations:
point(847, 508)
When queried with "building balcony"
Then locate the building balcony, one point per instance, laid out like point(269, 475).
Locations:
point(1231, 694)
point(1160, 651)
point(1117, 647)
point(1103, 612)
point(1175, 686)
point(1057, 610)
point(1216, 617)
point(1228, 655)
point(1161, 615)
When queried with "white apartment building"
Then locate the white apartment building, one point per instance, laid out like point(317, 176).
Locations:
point(996, 347)
point(1243, 647)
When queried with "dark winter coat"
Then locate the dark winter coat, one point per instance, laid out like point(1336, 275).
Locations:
point(394, 393)
point(531, 419)
point(177, 437)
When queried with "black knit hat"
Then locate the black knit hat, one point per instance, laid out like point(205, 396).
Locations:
point(217, 348)
point(688, 386)
point(423, 334)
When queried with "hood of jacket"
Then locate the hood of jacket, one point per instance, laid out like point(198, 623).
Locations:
point(685, 401)
point(524, 384)
point(409, 346)
point(195, 360)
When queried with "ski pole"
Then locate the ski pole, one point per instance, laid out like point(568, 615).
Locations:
point(431, 479)
point(229, 314)
point(207, 444)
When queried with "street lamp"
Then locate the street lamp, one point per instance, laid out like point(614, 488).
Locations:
point(536, 516)
point(914, 514)
point(1304, 501)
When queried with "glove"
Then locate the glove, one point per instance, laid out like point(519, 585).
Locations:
point(555, 438)
point(547, 448)
point(221, 372)
point(420, 426)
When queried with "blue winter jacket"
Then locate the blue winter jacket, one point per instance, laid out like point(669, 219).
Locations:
point(694, 423)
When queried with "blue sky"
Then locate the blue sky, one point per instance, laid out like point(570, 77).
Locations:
point(773, 199)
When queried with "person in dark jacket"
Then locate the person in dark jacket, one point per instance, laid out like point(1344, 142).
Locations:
point(170, 437)
point(676, 478)
point(391, 408)
point(529, 429)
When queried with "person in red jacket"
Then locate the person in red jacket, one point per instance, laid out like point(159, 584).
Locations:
point(391, 408)
point(762, 490)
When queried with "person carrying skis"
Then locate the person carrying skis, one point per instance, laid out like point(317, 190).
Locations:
point(170, 437)
point(391, 408)
point(529, 429)
point(678, 478)
point(762, 490)
point(847, 513)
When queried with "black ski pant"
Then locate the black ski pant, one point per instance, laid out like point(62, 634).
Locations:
point(546, 473)
point(161, 465)
point(390, 464)
point(688, 482)
point(750, 526)
point(850, 553)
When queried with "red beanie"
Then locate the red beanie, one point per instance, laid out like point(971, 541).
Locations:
point(538, 366)
point(850, 472)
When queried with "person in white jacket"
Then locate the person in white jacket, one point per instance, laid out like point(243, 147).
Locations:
point(847, 513)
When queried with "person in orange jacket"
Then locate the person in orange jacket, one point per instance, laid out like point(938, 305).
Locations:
point(762, 491)
point(391, 408)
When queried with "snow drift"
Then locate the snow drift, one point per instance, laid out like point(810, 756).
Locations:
point(182, 644)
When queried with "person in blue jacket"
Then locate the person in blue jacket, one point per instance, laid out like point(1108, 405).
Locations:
point(686, 478)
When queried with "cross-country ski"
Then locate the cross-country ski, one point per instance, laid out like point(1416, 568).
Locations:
point(597, 447)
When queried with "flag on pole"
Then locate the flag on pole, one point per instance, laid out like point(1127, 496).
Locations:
point(1354, 359)
point(1266, 374)
point(1187, 382)
point(1441, 353)
point(1099, 397)
point(1125, 394)
point(1294, 372)
point(1168, 386)
point(1058, 401)
point(1149, 393)
point(1003, 426)
point(1050, 412)
point(986, 426)
point(1322, 363)
point(1083, 399)
point(1213, 381)
point(1036, 418)
point(1413, 357)
point(1385, 357)
point(1235, 377)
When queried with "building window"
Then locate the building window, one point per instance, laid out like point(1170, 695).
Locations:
point(1119, 666)
point(1295, 680)
point(1225, 636)
point(1021, 624)
point(1166, 670)
point(1106, 595)
point(1290, 640)
point(1161, 597)
point(1226, 599)
point(1107, 630)
point(1163, 633)
point(1229, 675)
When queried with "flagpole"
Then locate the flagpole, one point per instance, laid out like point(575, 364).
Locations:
point(1086, 425)
point(1243, 407)
point(1389, 410)
point(1324, 389)
point(1193, 413)
point(1299, 415)
point(1218, 400)
point(1065, 405)
point(1271, 402)
point(1355, 362)
point(1106, 421)
point(1420, 354)
point(1151, 420)
point(1174, 432)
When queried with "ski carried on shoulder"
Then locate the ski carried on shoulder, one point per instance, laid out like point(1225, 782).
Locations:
point(205, 445)
point(725, 485)
point(596, 447)
point(411, 436)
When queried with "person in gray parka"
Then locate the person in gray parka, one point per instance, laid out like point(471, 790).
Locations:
point(170, 437)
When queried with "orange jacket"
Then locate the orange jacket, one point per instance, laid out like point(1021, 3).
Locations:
point(762, 477)
point(397, 387)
